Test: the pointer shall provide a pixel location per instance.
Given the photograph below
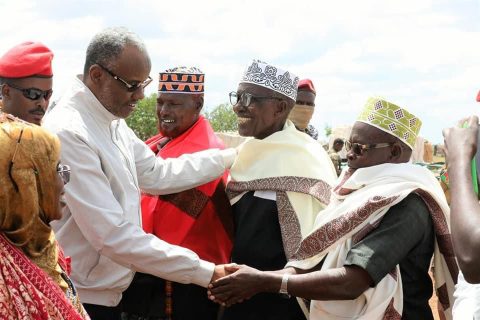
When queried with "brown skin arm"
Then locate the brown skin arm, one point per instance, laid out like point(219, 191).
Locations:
point(461, 146)
point(344, 283)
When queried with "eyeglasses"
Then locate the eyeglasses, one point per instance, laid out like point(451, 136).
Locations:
point(63, 171)
point(13, 159)
point(131, 87)
point(359, 148)
point(33, 93)
point(246, 98)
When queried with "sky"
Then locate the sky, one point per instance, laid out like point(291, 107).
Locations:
point(419, 54)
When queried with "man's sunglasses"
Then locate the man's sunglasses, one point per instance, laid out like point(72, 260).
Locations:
point(359, 148)
point(33, 93)
point(131, 87)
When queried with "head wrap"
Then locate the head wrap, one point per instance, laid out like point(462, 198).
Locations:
point(392, 119)
point(25, 214)
point(301, 115)
point(270, 77)
point(181, 80)
point(307, 85)
point(27, 59)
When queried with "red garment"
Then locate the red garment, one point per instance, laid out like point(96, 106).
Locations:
point(189, 218)
point(25, 60)
point(27, 292)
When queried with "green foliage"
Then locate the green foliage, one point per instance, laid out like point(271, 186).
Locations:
point(328, 130)
point(143, 121)
point(222, 118)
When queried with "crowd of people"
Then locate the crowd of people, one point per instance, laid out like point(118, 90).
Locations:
point(97, 224)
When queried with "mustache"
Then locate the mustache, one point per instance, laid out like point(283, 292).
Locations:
point(37, 110)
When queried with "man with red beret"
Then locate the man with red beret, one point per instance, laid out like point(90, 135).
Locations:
point(302, 112)
point(26, 81)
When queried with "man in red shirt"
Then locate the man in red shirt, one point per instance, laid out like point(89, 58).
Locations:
point(198, 219)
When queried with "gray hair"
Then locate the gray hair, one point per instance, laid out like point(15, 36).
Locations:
point(106, 46)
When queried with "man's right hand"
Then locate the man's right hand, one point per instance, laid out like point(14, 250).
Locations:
point(460, 142)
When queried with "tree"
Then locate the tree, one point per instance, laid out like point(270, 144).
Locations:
point(328, 130)
point(222, 118)
point(143, 121)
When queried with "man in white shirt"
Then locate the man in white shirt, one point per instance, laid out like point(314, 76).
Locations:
point(101, 228)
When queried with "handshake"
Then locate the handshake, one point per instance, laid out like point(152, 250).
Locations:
point(232, 283)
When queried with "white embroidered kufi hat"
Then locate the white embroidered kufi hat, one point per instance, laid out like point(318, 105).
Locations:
point(273, 78)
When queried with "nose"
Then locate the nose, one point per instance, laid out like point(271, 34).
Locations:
point(139, 94)
point(43, 103)
point(238, 107)
point(351, 155)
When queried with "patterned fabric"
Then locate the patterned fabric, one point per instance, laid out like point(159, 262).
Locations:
point(392, 119)
point(273, 78)
point(187, 218)
point(358, 203)
point(27, 292)
point(181, 80)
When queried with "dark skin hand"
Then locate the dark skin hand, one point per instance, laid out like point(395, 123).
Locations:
point(344, 283)
point(461, 146)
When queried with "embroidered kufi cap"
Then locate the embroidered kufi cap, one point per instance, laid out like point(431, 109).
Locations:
point(271, 77)
point(392, 119)
point(181, 80)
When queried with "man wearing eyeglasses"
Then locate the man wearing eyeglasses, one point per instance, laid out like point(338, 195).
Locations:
point(101, 228)
point(26, 81)
point(370, 252)
point(279, 183)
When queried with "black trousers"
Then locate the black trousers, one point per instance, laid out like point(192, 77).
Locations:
point(98, 312)
point(145, 299)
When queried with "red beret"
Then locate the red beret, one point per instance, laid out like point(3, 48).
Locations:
point(25, 60)
point(306, 84)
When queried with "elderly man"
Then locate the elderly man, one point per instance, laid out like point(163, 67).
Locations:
point(279, 182)
point(302, 112)
point(374, 243)
point(199, 218)
point(101, 229)
point(26, 81)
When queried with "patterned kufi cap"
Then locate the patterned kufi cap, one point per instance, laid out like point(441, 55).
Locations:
point(273, 78)
point(181, 80)
point(392, 119)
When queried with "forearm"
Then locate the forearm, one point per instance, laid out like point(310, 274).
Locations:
point(335, 284)
point(465, 218)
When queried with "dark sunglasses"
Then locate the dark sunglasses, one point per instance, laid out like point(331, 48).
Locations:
point(359, 148)
point(33, 93)
point(64, 172)
point(131, 87)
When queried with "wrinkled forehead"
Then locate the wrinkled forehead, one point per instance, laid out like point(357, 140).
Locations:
point(255, 89)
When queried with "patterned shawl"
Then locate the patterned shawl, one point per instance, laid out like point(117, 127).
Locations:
point(358, 204)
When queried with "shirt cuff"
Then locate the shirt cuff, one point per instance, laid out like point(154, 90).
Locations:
point(229, 156)
point(203, 274)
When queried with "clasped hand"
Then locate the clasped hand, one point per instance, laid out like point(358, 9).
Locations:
point(239, 283)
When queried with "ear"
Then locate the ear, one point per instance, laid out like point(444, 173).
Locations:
point(199, 103)
point(281, 108)
point(396, 151)
point(95, 74)
point(5, 91)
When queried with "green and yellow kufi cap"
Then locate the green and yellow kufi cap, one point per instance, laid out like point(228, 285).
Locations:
point(392, 119)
